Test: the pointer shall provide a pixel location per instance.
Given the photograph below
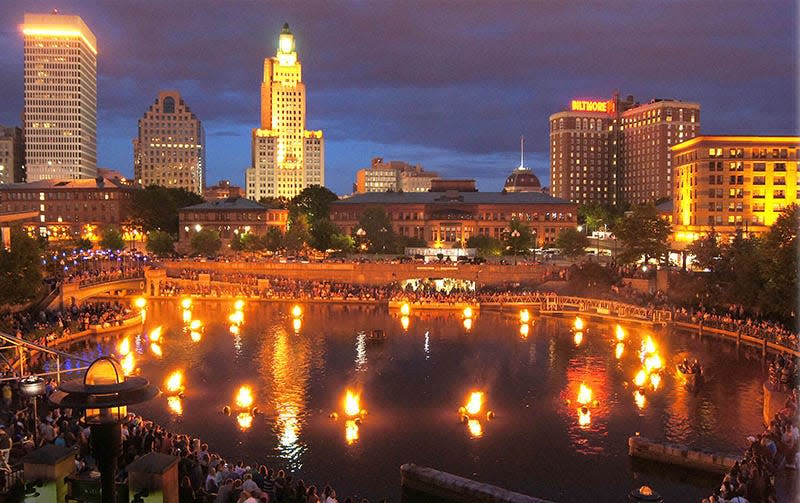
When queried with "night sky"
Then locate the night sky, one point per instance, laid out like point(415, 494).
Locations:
point(449, 85)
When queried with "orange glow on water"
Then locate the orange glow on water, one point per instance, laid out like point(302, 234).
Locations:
point(640, 379)
point(245, 420)
point(468, 312)
point(140, 302)
point(187, 315)
point(186, 302)
point(475, 428)
point(584, 417)
point(524, 330)
point(405, 322)
point(468, 324)
point(577, 338)
point(638, 397)
point(238, 305)
point(620, 333)
point(175, 405)
point(475, 403)
point(296, 324)
point(155, 334)
point(352, 406)
point(351, 431)
point(405, 309)
point(619, 350)
point(155, 348)
point(584, 394)
point(195, 325)
point(196, 336)
point(174, 382)
point(124, 347)
point(524, 316)
point(244, 397)
point(128, 364)
point(297, 311)
point(578, 325)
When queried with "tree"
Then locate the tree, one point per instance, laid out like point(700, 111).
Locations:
point(485, 246)
point(571, 242)
point(278, 203)
point(20, 269)
point(779, 295)
point(322, 233)
point(297, 235)
point(82, 244)
point(314, 202)
point(160, 243)
point(519, 238)
point(206, 242)
point(156, 207)
point(342, 243)
point(273, 239)
point(112, 239)
point(377, 229)
point(706, 251)
point(642, 234)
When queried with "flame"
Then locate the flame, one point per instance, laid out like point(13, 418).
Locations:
point(245, 420)
point(174, 382)
point(297, 311)
point(578, 323)
point(350, 431)
point(655, 380)
point(578, 338)
point(140, 302)
point(652, 363)
point(238, 305)
point(468, 324)
point(524, 316)
point(584, 417)
point(405, 309)
point(237, 318)
point(128, 364)
point(638, 397)
point(475, 403)
point(640, 378)
point(648, 346)
point(296, 324)
point(234, 329)
point(155, 334)
point(196, 336)
point(619, 350)
point(468, 313)
point(195, 324)
point(175, 405)
point(620, 333)
point(187, 315)
point(156, 349)
point(475, 428)
point(524, 330)
point(124, 347)
point(404, 321)
point(584, 395)
point(351, 404)
point(244, 398)
point(186, 302)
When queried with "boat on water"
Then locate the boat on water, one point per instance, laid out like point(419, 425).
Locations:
point(692, 373)
point(376, 335)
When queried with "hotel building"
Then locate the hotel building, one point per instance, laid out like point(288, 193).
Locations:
point(393, 176)
point(60, 112)
point(286, 158)
point(732, 183)
point(12, 155)
point(618, 150)
point(170, 149)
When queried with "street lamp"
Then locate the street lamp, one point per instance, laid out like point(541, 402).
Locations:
point(33, 387)
point(360, 233)
point(514, 235)
point(104, 393)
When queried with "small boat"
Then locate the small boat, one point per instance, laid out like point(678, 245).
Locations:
point(692, 374)
point(376, 335)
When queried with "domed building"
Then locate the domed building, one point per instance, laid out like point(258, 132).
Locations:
point(522, 180)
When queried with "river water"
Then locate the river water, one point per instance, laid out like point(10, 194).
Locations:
point(412, 384)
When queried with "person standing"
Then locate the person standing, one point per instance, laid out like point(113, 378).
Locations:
point(5, 445)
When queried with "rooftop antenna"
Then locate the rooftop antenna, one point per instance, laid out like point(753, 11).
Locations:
point(522, 152)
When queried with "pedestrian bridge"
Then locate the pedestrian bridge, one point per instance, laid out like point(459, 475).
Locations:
point(77, 293)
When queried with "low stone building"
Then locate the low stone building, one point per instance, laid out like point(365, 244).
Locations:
point(231, 217)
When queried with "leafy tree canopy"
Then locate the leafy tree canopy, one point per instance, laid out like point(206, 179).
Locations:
point(20, 269)
point(112, 239)
point(156, 207)
point(485, 246)
point(206, 242)
point(571, 242)
point(160, 243)
point(642, 234)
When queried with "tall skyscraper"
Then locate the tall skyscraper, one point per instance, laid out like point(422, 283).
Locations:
point(286, 157)
point(12, 155)
point(618, 150)
point(170, 150)
point(60, 97)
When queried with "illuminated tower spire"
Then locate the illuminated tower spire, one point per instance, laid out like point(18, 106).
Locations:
point(521, 152)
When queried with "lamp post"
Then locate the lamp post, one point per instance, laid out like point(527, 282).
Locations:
point(104, 393)
point(33, 387)
point(514, 235)
point(360, 233)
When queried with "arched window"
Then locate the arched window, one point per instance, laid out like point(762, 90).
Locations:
point(169, 105)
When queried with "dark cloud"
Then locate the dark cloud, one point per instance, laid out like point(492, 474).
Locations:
point(450, 85)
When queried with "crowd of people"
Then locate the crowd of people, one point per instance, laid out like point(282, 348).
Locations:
point(753, 478)
point(784, 372)
point(734, 321)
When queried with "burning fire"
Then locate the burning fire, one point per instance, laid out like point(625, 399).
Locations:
point(620, 333)
point(124, 347)
point(196, 336)
point(174, 382)
point(296, 324)
point(245, 420)
point(648, 346)
point(524, 330)
point(468, 313)
point(638, 397)
point(405, 309)
point(351, 431)
point(195, 325)
point(237, 318)
point(652, 363)
point(128, 364)
point(578, 338)
point(156, 349)
point(475, 428)
point(655, 380)
point(234, 329)
point(584, 417)
point(244, 398)
point(524, 316)
point(475, 403)
point(404, 321)
point(351, 404)
point(155, 334)
point(619, 350)
point(297, 311)
point(640, 378)
point(238, 305)
point(584, 394)
point(578, 325)
point(186, 302)
point(175, 405)
point(187, 315)
point(140, 302)
point(468, 324)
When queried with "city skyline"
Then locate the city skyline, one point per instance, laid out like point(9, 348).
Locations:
point(451, 90)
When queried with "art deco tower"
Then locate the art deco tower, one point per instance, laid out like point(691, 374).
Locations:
point(60, 97)
point(286, 157)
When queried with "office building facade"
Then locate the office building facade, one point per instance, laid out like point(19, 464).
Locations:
point(60, 112)
point(286, 158)
point(12, 155)
point(393, 176)
point(170, 148)
point(732, 183)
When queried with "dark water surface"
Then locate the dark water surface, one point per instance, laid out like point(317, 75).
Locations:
point(413, 383)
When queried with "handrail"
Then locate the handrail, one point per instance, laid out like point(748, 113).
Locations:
point(22, 342)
